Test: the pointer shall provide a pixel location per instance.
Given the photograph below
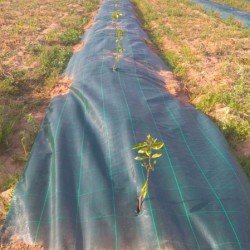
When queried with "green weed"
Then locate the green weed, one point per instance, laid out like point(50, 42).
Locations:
point(53, 37)
point(13, 82)
point(71, 37)
point(238, 4)
point(232, 21)
point(245, 163)
point(27, 136)
point(235, 130)
point(214, 14)
point(9, 183)
point(9, 115)
point(6, 128)
point(90, 6)
point(237, 98)
point(54, 59)
point(74, 22)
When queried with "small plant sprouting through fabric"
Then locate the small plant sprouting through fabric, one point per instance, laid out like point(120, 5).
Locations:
point(147, 155)
point(119, 34)
point(116, 15)
point(119, 47)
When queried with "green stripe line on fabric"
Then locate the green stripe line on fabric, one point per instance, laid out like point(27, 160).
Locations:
point(226, 160)
point(109, 156)
point(203, 174)
point(150, 204)
point(79, 187)
point(143, 175)
point(51, 174)
point(169, 160)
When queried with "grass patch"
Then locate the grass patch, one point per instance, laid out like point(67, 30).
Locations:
point(9, 183)
point(245, 163)
point(209, 55)
point(238, 4)
point(9, 116)
point(54, 59)
point(36, 41)
point(71, 37)
point(27, 135)
point(6, 128)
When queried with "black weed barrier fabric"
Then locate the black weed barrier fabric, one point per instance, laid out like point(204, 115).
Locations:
point(80, 187)
point(225, 11)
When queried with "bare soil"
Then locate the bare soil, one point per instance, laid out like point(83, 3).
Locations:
point(62, 87)
point(23, 25)
point(17, 244)
point(175, 87)
point(243, 149)
point(5, 198)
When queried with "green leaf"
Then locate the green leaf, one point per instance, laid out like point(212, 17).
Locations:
point(139, 145)
point(140, 158)
point(143, 151)
point(157, 145)
point(156, 155)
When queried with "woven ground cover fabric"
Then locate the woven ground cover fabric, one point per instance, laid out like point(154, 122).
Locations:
point(80, 187)
point(225, 11)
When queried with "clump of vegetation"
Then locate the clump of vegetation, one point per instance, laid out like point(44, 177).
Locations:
point(8, 183)
point(34, 50)
point(9, 116)
point(209, 55)
point(116, 15)
point(119, 47)
point(245, 163)
point(71, 37)
point(6, 128)
point(54, 59)
point(27, 136)
point(147, 155)
point(238, 4)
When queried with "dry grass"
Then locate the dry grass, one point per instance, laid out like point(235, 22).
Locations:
point(210, 56)
point(238, 4)
point(36, 42)
point(17, 244)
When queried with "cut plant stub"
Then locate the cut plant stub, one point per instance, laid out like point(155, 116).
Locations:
point(146, 151)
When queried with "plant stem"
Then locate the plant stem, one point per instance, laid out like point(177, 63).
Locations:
point(147, 175)
point(146, 154)
point(139, 206)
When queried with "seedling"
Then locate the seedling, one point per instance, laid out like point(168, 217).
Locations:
point(147, 155)
point(119, 35)
point(116, 2)
point(119, 47)
point(116, 15)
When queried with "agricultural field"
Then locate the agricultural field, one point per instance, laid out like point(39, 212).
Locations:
point(211, 57)
point(238, 4)
point(37, 39)
point(79, 158)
